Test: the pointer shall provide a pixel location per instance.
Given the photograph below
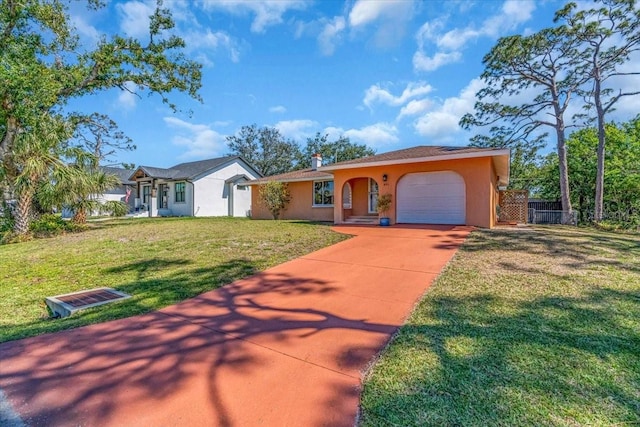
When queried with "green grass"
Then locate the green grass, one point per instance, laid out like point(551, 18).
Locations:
point(536, 327)
point(157, 261)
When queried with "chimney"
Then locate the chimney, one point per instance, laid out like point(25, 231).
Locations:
point(316, 161)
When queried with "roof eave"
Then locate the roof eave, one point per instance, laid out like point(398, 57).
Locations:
point(476, 154)
point(315, 178)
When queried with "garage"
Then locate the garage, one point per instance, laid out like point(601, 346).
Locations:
point(431, 198)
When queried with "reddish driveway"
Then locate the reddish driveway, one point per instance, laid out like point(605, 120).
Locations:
point(286, 347)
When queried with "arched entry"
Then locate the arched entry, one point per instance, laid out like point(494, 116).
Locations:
point(359, 197)
point(431, 198)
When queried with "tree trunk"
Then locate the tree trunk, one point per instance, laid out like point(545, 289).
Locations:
point(599, 199)
point(80, 216)
point(10, 132)
point(567, 214)
point(22, 213)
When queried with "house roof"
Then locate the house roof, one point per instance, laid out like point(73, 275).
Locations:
point(422, 153)
point(414, 154)
point(428, 153)
point(190, 170)
point(300, 175)
point(121, 173)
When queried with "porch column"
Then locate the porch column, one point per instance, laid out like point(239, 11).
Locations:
point(153, 200)
point(338, 209)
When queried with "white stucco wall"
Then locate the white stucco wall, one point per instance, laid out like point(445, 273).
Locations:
point(181, 208)
point(241, 201)
point(211, 199)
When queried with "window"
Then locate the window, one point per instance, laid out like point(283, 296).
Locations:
point(373, 195)
point(242, 187)
point(180, 192)
point(146, 192)
point(346, 196)
point(163, 200)
point(322, 193)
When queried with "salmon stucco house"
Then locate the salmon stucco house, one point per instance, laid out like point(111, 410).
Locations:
point(428, 185)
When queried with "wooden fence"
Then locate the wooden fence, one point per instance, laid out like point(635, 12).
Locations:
point(513, 206)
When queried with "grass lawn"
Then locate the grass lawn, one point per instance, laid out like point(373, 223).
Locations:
point(532, 327)
point(157, 261)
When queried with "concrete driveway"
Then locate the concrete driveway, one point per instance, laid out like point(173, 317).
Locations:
point(286, 347)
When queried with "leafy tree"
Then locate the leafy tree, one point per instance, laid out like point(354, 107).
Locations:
point(539, 68)
point(339, 150)
point(44, 66)
point(622, 174)
point(274, 196)
point(524, 169)
point(264, 148)
point(581, 167)
point(99, 135)
point(609, 35)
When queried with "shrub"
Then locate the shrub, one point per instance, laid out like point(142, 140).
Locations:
point(384, 204)
point(48, 225)
point(6, 218)
point(274, 196)
point(115, 208)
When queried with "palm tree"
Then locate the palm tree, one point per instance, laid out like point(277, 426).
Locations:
point(34, 157)
point(80, 190)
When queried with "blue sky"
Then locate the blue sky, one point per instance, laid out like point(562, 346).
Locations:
point(390, 74)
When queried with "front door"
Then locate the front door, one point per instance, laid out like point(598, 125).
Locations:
point(373, 195)
point(163, 200)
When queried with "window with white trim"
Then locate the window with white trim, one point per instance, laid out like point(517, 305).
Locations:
point(322, 193)
point(180, 192)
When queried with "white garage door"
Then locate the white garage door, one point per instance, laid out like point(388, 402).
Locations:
point(431, 198)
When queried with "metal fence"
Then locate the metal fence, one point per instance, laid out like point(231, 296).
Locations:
point(539, 216)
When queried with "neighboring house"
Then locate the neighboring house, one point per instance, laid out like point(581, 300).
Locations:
point(124, 192)
point(214, 187)
point(429, 185)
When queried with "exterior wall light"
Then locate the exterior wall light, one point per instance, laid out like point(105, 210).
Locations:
point(384, 177)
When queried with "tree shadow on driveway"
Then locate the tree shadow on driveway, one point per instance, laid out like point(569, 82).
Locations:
point(208, 359)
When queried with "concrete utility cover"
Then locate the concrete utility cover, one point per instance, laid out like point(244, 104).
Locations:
point(67, 304)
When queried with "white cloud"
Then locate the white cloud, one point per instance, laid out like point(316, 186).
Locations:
point(390, 16)
point(450, 43)
point(298, 130)
point(415, 107)
point(199, 140)
point(441, 124)
point(367, 11)
point(456, 38)
point(134, 17)
point(422, 62)
point(278, 109)
point(267, 12)
point(377, 94)
point(333, 133)
point(517, 10)
point(213, 40)
point(127, 99)
point(85, 29)
point(330, 35)
point(376, 135)
point(429, 31)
